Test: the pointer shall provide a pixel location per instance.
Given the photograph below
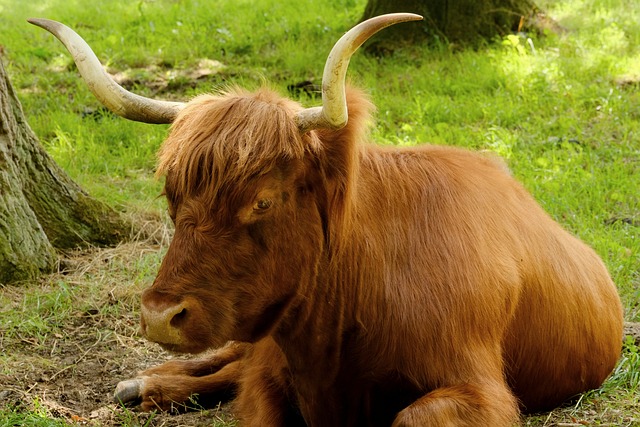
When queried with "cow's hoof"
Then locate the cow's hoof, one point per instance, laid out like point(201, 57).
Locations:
point(129, 390)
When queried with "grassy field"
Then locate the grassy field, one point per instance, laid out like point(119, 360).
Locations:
point(562, 109)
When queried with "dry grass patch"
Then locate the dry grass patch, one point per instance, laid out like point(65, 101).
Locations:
point(67, 340)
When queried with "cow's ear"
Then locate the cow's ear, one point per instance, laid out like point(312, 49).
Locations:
point(339, 162)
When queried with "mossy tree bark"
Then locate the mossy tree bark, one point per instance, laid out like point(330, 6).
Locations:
point(458, 21)
point(41, 208)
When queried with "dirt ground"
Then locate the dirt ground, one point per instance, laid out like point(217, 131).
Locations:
point(90, 341)
point(72, 372)
point(74, 377)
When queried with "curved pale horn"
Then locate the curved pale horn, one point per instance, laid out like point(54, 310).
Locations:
point(333, 113)
point(111, 94)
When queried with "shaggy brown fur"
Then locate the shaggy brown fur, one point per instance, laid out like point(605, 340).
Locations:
point(380, 285)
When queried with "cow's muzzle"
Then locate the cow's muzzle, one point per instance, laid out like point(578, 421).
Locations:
point(162, 319)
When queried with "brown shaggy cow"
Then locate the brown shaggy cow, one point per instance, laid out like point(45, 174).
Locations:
point(358, 284)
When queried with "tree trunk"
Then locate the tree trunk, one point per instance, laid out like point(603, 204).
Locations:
point(457, 21)
point(41, 208)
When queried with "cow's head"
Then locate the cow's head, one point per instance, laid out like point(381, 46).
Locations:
point(248, 228)
point(252, 188)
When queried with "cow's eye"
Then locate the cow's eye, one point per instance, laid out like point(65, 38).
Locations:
point(262, 205)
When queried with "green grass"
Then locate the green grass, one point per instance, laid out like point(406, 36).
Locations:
point(564, 110)
point(17, 418)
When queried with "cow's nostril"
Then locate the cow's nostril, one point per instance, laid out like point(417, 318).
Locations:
point(178, 318)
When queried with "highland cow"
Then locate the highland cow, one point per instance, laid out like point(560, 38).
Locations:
point(347, 283)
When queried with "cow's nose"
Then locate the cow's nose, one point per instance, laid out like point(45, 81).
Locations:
point(162, 322)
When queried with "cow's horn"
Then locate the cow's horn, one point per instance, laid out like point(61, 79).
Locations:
point(333, 113)
point(111, 94)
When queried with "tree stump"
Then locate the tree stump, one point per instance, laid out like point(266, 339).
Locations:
point(468, 22)
point(41, 208)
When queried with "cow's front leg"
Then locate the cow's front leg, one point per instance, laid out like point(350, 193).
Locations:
point(463, 405)
point(173, 384)
point(176, 392)
point(206, 365)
